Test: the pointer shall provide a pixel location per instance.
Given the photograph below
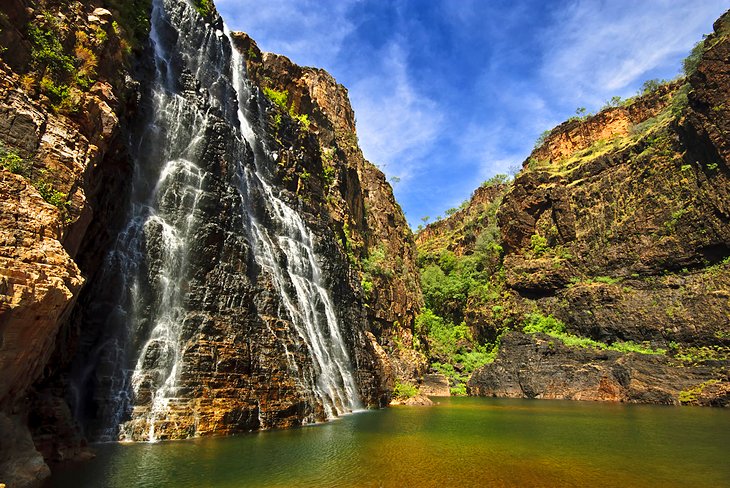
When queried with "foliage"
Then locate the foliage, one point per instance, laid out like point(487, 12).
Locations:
point(538, 323)
point(650, 86)
point(702, 353)
point(134, 17)
point(303, 119)
point(376, 264)
point(542, 138)
point(444, 338)
point(367, 287)
point(538, 245)
point(692, 61)
point(607, 280)
point(453, 349)
point(328, 168)
point(496, 180)
point(47, 50)
point(204, 7)
point(691, 395)
point(280, 98)
point(404, 391)
point(11, 161)
point(51, 195)
point(615, 101)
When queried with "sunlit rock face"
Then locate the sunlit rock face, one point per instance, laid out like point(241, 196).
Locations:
point(226, 303)
point(618, 226)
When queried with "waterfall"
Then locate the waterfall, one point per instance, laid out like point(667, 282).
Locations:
point(200, 82)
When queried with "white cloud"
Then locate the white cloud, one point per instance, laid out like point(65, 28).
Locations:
point(310, 32)
point(596, 49)
point(396, 125)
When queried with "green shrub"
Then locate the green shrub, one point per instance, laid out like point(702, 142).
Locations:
point(280, 98)
point(496, 180)
point(536, 322)
point(47, 50)
point(204, 7)
point(690, 395)
point(11, 161)
point(303, 119)
point(652, 85)
point(376, 264)
point(404, 391)
point(692, 61)
point(629, 346)
point(367, 287)
point(538, 244)
point(541, 139)
point(607, 280)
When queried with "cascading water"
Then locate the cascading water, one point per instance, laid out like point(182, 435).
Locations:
point(200, 83)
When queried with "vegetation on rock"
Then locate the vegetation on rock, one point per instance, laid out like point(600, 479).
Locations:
point(603, 240)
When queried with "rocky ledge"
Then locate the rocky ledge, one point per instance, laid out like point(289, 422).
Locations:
point(541, 366)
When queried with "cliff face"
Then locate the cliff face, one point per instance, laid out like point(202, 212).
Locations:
point(369, 224)
point(63, 100)
point(615, 231)
point(244, 228)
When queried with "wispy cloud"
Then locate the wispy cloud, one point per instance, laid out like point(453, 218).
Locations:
point(449, 92)
point(311, 32)
point(396, 124)
point(597, 49)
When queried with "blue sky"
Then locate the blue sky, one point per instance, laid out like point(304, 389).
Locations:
point(450, 92)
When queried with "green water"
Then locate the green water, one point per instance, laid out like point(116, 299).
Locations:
point(460, 442)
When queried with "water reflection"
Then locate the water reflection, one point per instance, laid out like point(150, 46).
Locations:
point(462, 442)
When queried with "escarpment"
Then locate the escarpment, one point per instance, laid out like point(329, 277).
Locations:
point(65, 96)
point(613, 250)
point(184, 254)
point(192, 244)
point(369, 224)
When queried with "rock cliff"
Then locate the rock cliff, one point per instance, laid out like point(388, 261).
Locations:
point(614, 239)
point(369, 224)
point(82, 138)
point(65, 93)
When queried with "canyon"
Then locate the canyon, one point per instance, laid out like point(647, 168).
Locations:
point(193, 244)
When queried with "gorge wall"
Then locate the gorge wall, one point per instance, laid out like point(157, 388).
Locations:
point(193, 243)
point(608, 256)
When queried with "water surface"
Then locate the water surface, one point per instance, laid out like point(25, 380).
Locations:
point(460, 442)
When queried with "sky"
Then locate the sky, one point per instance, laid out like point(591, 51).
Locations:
point(448, 93)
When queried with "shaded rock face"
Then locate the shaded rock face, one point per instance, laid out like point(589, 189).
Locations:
point(618, 225)
point(60, 157)
point(226, 304)
point(636, 225)
point(208, 226)
point(369, 224)
point(540, 366)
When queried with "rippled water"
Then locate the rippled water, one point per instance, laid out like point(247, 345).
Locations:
point(460, 442)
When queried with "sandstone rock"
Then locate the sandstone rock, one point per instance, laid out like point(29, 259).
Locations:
point(354, 186)
point(435, 385)
point(63, 153)
point(543, 367)
point(618, 225)
point(420, 400)
point(20, 463)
